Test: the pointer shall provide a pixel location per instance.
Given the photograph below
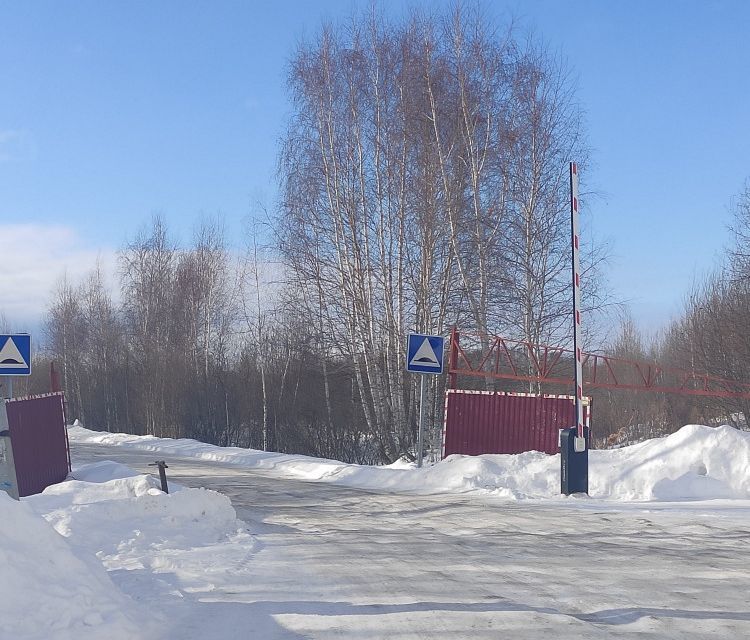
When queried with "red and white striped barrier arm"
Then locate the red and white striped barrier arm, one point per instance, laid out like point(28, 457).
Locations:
point(575, 226)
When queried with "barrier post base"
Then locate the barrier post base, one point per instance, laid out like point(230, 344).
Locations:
point(574, 461)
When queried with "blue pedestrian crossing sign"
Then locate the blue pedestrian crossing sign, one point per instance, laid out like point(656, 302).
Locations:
point(424, 354)
point(15, 354)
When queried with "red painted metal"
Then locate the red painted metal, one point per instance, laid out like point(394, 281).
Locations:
point(40, 441)
point(54, 378)
point(472, 354)
point(478, 422)
point(453, 359)
point(575, 220)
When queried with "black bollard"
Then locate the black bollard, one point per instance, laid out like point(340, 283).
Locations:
point(162, 474)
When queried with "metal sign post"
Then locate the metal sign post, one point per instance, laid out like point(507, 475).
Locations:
point(424, 354)
point(8, 481)
point(420, 433)
point(15, 360)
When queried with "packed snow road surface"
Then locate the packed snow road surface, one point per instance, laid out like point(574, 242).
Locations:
point(325, 561)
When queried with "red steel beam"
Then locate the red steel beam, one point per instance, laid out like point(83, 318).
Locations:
point(633, 375)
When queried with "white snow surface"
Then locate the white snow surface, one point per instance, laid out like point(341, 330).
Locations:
point(695, 463)
point(107, 554)
point(51, 590)
point(58, 546)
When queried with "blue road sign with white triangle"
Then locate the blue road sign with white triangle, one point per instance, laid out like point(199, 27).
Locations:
point(424, 354)
point(15, 354)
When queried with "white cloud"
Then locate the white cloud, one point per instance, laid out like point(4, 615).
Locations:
point(34, 257)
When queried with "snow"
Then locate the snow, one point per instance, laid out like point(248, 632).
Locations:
point(123, 517)
point(695, 463)
point(51, 590)
point(478, 547)
point(107, 517)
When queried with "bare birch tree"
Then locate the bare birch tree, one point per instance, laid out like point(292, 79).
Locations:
point(423, 180)
point(147, 270)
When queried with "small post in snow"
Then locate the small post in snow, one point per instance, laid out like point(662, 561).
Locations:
point(162, 474)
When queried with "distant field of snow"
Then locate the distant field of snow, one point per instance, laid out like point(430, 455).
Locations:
point(695, 463)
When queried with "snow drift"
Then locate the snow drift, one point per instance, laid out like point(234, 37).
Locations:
point(49, 590)
point(58, 544)
point(121, 513)
point(695, 463)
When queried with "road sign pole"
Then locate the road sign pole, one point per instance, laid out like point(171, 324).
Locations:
point(421, 423)
point(8, 479)
point(424, 355)
point(6, 388)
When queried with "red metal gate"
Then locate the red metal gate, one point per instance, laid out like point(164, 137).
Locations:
point(40, 441)
point(478, 422)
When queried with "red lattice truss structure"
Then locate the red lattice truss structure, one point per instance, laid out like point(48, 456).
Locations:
point(496, 357)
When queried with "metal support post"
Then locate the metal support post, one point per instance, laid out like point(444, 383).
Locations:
point(8, 480)
point(424, 355)
point(162, 474)
point(421, 425)
point(453, 358)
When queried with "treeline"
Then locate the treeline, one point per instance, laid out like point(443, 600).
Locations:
point(194, 349)
point(710, 337)
point(423, 182)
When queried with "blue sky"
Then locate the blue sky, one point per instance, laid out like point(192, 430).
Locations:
point(113, 111)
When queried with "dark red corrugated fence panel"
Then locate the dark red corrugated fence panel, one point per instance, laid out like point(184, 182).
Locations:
point(479, 422)
point(40, 443)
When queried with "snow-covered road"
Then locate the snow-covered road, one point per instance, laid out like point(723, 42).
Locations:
point(330, 561)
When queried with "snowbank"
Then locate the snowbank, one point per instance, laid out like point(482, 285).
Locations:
point(696, 463)
point(49, 590)
point(58, 545)
point(127, 517)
